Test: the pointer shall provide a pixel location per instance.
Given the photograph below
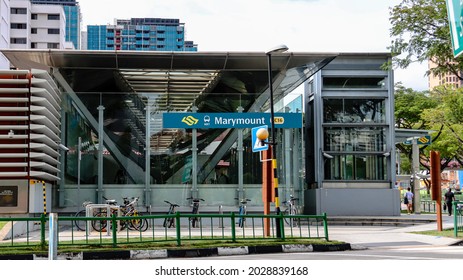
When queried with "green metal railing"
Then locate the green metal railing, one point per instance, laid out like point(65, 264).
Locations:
point(457, 217)
point(217, 227)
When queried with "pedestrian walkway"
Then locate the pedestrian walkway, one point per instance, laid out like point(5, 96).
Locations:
point(386, 236)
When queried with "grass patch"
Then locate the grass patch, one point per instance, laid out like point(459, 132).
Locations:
point(443, 233)
point(2, 224)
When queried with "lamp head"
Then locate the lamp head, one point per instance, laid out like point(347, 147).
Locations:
point(277, 49)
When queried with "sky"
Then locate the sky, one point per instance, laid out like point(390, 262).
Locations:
point(258, 25)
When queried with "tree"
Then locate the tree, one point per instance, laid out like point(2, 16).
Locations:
point(410, 106)
point(420, 31)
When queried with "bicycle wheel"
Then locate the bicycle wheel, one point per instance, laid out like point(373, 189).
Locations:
point(286, 217)
point(168, 222)
point(143, 224)
point(138, 223)
point(80, 224)
point(99, 225)
point(294, 221)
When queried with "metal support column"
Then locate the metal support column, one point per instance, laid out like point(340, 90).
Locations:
point(79, 159)
point(288, 177)
point(416, 179)
point(100, 153)
point(148, 154)
point(194, 158)
point(240, 150)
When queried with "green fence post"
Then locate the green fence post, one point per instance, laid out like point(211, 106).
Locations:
point(325, 226)
point(455, 218)
point(114, 229)
point(42, 230)
point(177, 228)
point(233, 227)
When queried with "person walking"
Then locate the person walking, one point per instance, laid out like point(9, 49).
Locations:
point(408, 200)
point(449, 198)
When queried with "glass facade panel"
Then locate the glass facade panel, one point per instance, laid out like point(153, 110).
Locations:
point(354, 110)
point(356, 168)
point(358, 139)
point(356, 147)
point(354, 82)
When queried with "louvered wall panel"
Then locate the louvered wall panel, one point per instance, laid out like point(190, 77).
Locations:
point(29, 125)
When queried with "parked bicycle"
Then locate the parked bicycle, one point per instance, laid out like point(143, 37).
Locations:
point(82, 224)
point(291, 210)
point(459, 209)
point(170, 221)
point(242, 212)
point(195, 220)
point(126, 210)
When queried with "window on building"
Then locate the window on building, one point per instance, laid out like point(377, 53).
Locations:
point(354, 110)
point(53, 16)
point(355, 145)
point(53, 31)
point(33, 30)
point(18, 40)
point(33, 45)
point(53, 45)
point(34, 16)
point(18, 11)
point(354, 82)
point(18, 25)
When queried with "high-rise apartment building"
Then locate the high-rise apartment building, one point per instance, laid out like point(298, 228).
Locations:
point(4, 31)
point(140, 34)
point(73, 18)
point(443, 79)
point(36, 26)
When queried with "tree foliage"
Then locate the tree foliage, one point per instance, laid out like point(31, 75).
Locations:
point(420, 31)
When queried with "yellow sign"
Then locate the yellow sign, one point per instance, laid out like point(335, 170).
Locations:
point(279, 120)
point(424, 140)
point(190, 120)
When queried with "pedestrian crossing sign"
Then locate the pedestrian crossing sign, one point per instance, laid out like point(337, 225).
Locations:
point(257, 144)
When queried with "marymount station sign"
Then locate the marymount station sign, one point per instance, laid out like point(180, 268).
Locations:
point(230, 120)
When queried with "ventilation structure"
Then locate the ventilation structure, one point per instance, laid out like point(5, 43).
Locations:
point(29, 126)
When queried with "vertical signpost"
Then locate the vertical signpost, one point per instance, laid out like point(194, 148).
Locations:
point(259, 136)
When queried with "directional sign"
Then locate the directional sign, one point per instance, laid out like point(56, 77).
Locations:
point(455, 14)
point(424, 140)
point(230, 120)
point(256, 142)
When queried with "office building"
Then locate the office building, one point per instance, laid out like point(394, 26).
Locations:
point(140, 34)
point(73, 18)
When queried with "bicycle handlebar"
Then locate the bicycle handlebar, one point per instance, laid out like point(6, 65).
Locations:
point(172, 204)
point(244, 200)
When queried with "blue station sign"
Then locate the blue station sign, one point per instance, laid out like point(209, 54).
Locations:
point(230, 120)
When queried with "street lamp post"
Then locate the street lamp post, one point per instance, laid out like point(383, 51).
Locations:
point(277, 49)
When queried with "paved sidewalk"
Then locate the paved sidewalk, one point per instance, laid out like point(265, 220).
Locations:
point(387, 236)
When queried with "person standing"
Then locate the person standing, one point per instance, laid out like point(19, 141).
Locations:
point(449, 198)
point(408, 198)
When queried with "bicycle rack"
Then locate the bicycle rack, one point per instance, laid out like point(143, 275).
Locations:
point(89, 210)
